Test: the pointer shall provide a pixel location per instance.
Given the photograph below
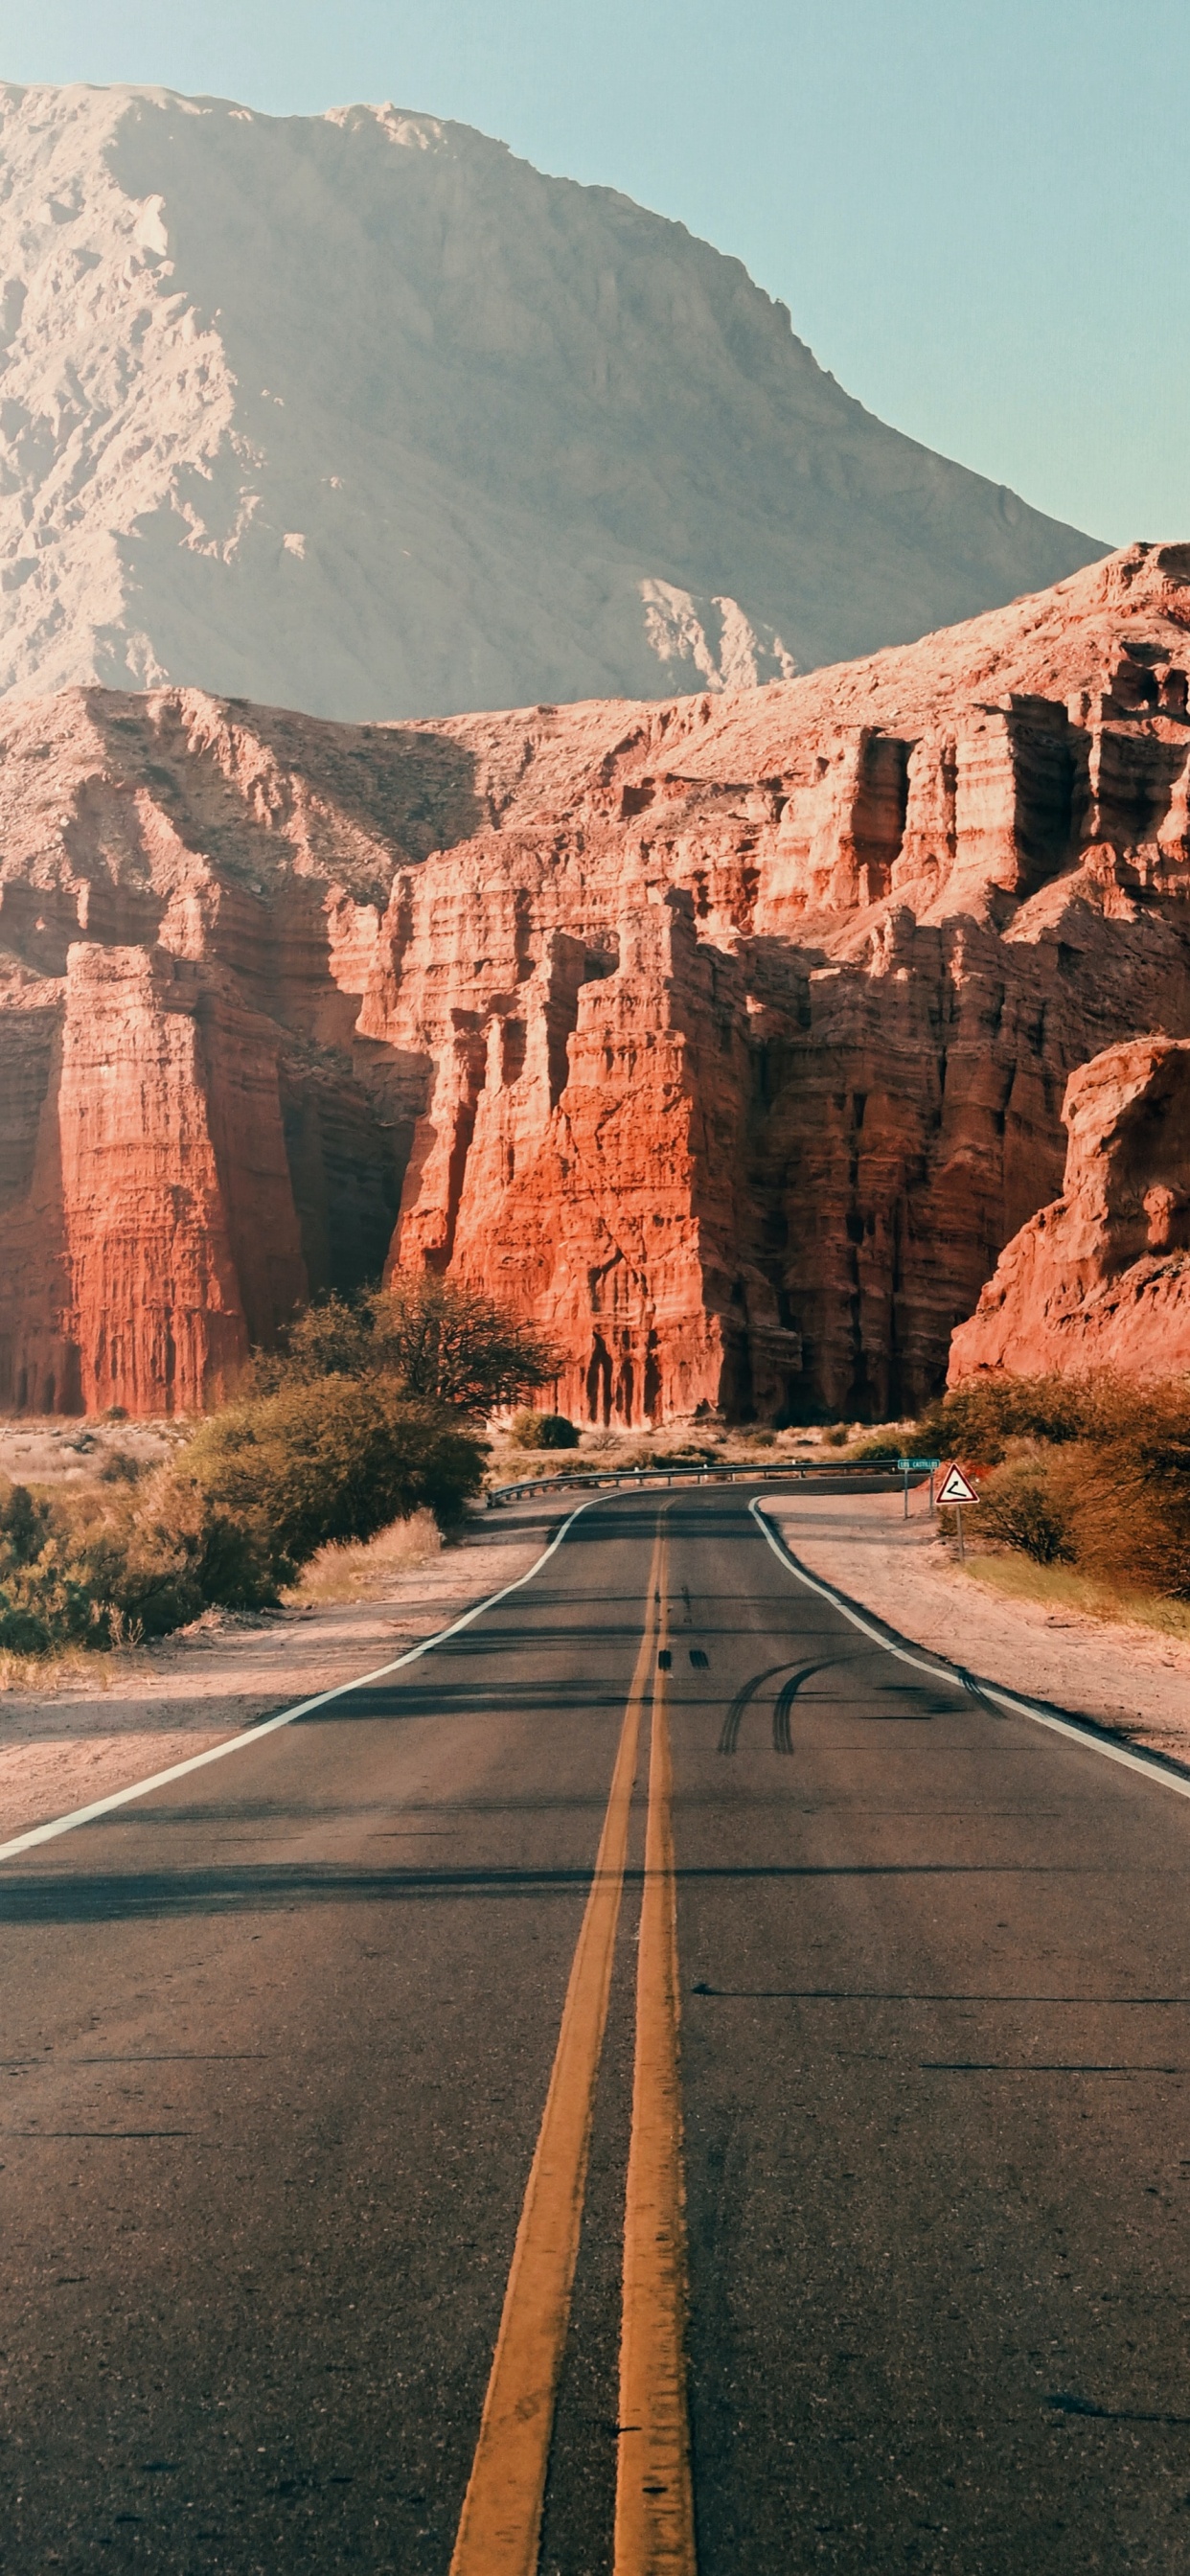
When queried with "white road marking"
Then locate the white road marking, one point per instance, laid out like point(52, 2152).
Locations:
point(285, 1717)
point(1150, 1765)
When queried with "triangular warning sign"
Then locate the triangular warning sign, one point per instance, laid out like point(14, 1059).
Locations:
point(957, 1488)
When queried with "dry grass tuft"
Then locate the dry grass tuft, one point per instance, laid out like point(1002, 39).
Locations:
point(361, 1571)
point(1059, 1587)
point(43, 1676)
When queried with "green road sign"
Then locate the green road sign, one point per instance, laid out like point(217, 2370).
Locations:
point(904, 1464)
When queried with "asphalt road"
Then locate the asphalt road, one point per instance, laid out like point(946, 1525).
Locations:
point(278, 2039)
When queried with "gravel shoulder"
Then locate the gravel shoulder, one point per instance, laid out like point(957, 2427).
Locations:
point(92, 1732)
point(1124, 1676)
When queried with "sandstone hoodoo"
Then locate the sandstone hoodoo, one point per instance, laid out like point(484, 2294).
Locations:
point(361, 414)
point(1101, 1278)
point(725, 1037)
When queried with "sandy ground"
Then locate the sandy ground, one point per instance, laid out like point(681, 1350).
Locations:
point(38, 1451)
point(1126, 1677)
point(137, 1713)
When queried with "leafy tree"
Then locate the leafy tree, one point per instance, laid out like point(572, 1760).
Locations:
point(447, 1344)
point(332, 1339)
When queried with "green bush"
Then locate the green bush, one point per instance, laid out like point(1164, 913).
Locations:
point(542, 1431)
point(337, 1458)
point(365, 1418)
point(261, 1487)
point(1027, 1503)
point(24, 1526)
point(109, 1569)
point(175, 1552)
point(39, 1603)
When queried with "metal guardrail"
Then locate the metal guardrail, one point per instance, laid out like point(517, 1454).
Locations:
point(796, 1469)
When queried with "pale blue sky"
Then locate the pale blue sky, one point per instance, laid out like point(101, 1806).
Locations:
point(976, 210)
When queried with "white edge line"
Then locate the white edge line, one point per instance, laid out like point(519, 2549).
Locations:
point(1150, 1768)
point(285, 1717)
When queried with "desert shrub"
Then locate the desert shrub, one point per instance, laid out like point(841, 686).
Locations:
point(46, 1604)
point(1132, 1518)
point(24, 1526)
point(332, 1339)
point(121, 1468)
point(445, 1343)
point(542, 1431)
point(36, 1602)
point(980, 1417)
point(1027, 1503)
point(337, 1458)
point(556, 1432)
point(172, 1553)
point(1091, 1471)
point(111, 1571)
point(262, 1486)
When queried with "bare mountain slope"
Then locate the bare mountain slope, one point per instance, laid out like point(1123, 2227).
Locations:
point(359, 413)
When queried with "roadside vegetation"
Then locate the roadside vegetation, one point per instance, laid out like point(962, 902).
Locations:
point(370, 1415)
point(1087, 1477)
point(370, 1419)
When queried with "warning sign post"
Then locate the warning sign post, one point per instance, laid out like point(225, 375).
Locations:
point(957, 1490)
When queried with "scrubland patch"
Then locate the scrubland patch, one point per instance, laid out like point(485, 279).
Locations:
point(1060, 1587)
point(1087, 1473)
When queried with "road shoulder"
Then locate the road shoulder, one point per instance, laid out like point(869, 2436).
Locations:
point(86, 1733)
point(1123, 1676)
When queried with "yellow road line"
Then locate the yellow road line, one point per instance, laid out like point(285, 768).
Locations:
point(654, 2495)
point(501, 2517)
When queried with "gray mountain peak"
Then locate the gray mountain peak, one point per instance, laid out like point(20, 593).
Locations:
point(359, 413)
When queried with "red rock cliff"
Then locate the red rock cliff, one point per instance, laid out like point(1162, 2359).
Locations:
point(728, 1037)
point(1101, 1278)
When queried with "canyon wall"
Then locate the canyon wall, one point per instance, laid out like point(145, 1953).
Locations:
point(1101, 1277)
point(728, 1037)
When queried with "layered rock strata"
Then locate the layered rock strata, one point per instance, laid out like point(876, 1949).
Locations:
point(1101, 1277)
point(726, 1037)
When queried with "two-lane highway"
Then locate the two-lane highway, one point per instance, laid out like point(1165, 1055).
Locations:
point(387, 2186)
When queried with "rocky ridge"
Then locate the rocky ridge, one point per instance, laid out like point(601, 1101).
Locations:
point(1101, 1277)
point(360, 414)
point(727, 1036)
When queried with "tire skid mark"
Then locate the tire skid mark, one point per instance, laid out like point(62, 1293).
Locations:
point(782, 1740)
point(730, 1735)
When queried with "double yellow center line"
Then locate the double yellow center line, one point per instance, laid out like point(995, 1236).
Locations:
point(500, 2526)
